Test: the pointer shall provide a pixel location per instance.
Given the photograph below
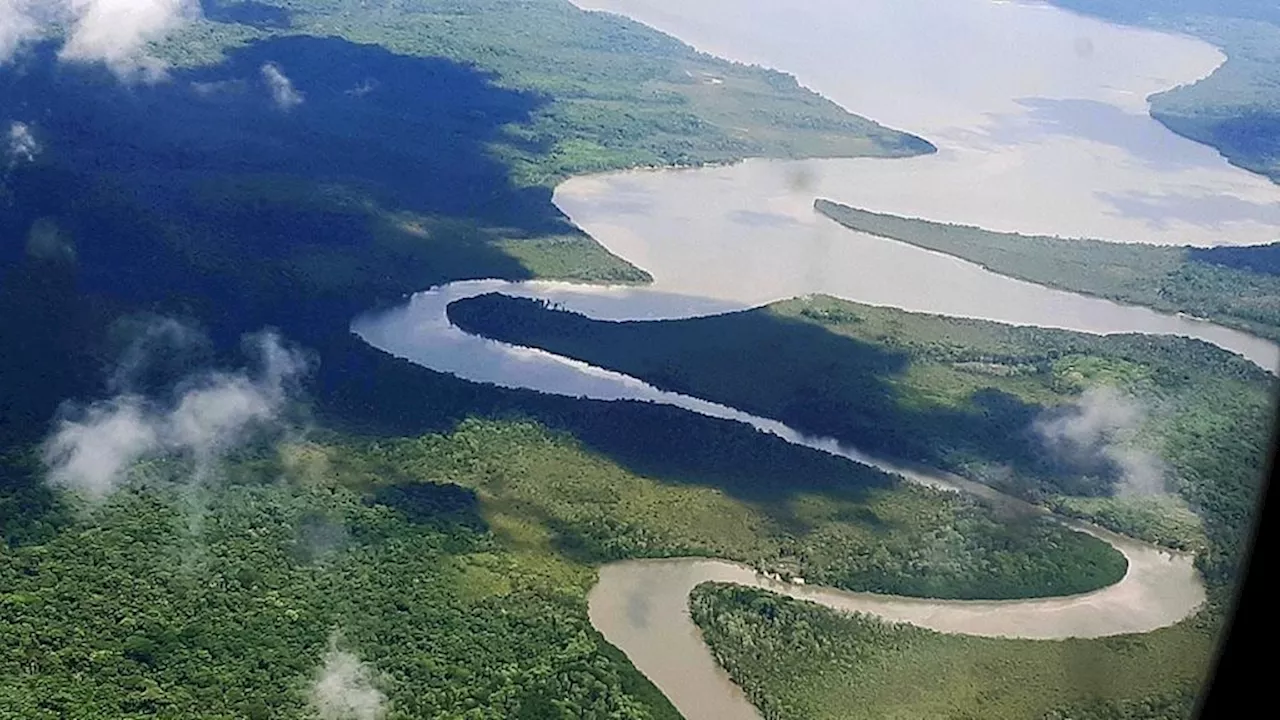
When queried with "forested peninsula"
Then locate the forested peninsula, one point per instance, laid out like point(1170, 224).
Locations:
point(1237, 287)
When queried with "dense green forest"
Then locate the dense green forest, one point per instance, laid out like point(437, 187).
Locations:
point(1236, 109)
point(800, 661)
point(411, 540)
point(1234, 286)
point(615, 93)
point(965, 395)
point(127, 612)
point(767, 503)
point(456, 564)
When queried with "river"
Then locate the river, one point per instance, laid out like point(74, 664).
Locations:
point(641, 606)
point(1040, 120)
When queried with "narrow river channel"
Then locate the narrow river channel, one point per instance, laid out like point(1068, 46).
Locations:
point(1041, 122)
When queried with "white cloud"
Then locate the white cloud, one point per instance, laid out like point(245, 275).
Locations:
point(363, 88)
point(212, 417)
point(1103, 421)
point(282, 91)
point(113, 32)
point(116, 31)
point(344, 689)
point(17, 27)
point(23, 146)
point(92, 452)
point(219, 87)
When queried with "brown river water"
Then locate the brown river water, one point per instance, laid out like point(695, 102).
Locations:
point(1040, 117)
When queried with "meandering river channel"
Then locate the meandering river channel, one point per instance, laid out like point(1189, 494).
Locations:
point(1041, 122)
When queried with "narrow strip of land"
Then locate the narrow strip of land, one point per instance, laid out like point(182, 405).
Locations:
point(1237, 287)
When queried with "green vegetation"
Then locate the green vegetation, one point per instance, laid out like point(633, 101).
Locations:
point(778, 506)
point(619, 94)
point(142, 609)
point(1163, 520)
point(1236, 109)
point(963, 395)
point(797, 660)
point(455, 566)
point(573, 257)
point(1236, 287)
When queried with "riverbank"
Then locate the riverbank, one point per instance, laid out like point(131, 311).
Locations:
point(1236, 109)
point(1237, 287)
point(801, 661)
point(765, 212)
point(643, 607)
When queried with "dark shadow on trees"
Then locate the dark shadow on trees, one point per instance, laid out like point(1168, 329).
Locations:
point(211, 199)
point(816, 381)
point(413, 133)
point(374, 395)
point(30, 512)
point(438, 505)
point(248, 12)
point(1264, 259)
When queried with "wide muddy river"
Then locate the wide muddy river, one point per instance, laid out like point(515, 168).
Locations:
point(1041, 122)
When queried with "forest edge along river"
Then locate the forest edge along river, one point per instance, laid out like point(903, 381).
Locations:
point(718, 239)
point(641, 606)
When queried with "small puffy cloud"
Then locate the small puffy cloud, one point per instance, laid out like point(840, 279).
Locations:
point(90, 454)
point(343, 688)
point(285, 95)
point(153, 346)
point(113, 32)
point(1103, 422)
point(22, 143)
point(91, 449)
point(217, 88)
point(210, 418)
point(363, 88)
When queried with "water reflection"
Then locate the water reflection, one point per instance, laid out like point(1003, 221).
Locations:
point(1213, 212)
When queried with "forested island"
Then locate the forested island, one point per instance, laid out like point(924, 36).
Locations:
point(1233, 286)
